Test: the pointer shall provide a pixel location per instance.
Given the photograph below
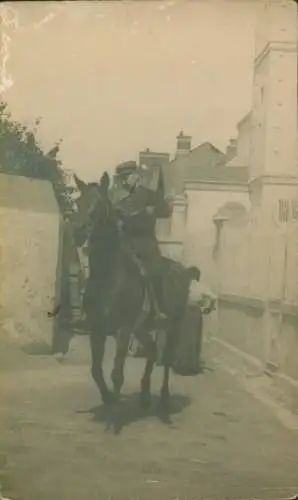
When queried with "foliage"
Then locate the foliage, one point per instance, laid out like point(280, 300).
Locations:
point(20, 154)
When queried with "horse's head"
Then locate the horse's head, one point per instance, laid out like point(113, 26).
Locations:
point(93, 206)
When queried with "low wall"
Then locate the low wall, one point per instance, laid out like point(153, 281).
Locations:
point(288, 346)
point(267, 337)
point(240, 323)
point(29, 267)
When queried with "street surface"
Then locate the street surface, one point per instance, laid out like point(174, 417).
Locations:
point(58, 443)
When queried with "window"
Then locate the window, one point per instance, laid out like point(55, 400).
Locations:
point(283, 212)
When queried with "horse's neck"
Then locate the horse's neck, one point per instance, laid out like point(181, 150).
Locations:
point(105, 255)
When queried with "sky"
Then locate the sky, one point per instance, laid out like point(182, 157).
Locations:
point(113, 78)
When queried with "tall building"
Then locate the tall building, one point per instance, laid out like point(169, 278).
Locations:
point(273, 162)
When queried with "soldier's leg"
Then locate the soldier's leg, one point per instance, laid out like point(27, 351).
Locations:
point(148, 252)
point(156, 290)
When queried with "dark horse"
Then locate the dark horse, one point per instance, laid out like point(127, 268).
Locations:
point(118, 304)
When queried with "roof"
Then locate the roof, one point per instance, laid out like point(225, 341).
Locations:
point(204, 162)
point(234, 162)
point(148, 152)
point(244, 120)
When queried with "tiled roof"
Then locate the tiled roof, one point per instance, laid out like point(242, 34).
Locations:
point(203, 163)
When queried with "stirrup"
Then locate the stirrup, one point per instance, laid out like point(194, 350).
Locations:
point(81, 326)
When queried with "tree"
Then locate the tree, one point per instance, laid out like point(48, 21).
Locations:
point(20, 154)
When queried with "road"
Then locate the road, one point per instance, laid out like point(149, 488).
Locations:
point(222, 443)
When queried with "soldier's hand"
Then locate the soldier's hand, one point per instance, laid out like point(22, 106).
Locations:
point(150, 210)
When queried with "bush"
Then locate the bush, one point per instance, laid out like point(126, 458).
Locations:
point(20, 154)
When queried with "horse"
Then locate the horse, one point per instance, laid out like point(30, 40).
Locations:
point(118, 298)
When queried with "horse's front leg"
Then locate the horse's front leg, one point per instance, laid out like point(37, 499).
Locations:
point(165, 391)
point(117, 375)
point(97, 344)
point(145, 394)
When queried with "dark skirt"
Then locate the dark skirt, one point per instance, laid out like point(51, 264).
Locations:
point(187, 358)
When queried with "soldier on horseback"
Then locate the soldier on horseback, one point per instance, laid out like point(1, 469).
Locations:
point(116, 294)
point(138, 208)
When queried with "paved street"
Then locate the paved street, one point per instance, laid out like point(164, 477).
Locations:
point(222, 442)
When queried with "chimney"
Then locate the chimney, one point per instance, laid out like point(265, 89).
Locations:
point(153, 159)
point(231, 150)
point(183, 145)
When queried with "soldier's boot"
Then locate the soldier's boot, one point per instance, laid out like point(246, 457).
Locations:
point(161, 318)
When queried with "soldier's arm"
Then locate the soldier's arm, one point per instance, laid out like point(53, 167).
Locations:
point(162, 208)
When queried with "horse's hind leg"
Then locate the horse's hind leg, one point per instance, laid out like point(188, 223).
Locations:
point(145, 394)
point(168, 360)
point(97, 344)
point(165, 392)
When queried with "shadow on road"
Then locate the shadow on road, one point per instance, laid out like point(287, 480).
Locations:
point(128, 411)
point(186, 371)
point(37, 348)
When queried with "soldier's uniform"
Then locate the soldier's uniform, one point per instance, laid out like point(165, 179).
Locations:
point(138, 208)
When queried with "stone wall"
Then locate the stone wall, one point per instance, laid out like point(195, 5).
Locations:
point(29, 266)
point(258, 294)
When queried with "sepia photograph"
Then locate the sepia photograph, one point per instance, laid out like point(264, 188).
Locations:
point(149, 250)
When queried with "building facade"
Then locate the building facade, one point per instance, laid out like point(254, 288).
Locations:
point(258, 257)
point(198, 181)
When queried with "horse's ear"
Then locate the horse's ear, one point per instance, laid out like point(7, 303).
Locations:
point(81, 185)
point(104, 183)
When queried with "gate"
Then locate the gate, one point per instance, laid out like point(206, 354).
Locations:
point(73, 277)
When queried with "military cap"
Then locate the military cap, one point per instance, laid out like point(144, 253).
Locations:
point(126, 168)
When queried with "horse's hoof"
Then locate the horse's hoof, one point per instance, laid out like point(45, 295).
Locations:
point(164, 406)
point(108, 398)
point(145, 400)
